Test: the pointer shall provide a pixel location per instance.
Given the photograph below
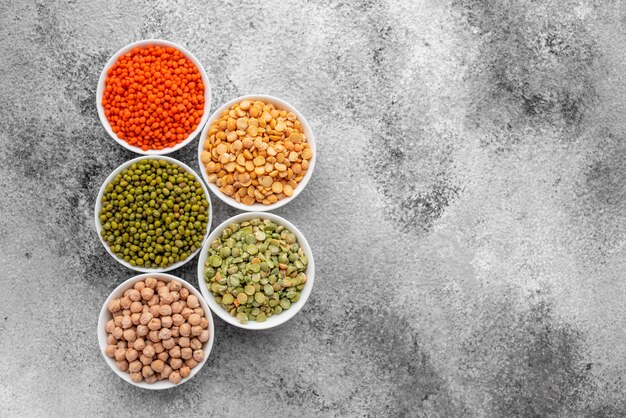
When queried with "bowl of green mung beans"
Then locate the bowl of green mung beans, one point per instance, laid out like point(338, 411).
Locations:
point(256, 270)
point(153, 214)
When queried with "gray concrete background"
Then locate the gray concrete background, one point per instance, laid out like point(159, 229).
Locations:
point(467, 212)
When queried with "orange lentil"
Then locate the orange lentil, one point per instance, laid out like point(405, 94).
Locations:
point(153, 97)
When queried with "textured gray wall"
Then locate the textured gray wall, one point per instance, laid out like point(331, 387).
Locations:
point(467, 212)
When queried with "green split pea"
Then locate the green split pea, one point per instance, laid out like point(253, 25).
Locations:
point(255, 269)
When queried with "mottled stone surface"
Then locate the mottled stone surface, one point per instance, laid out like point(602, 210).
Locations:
point(467, 212)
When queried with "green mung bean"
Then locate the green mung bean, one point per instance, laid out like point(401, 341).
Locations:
point(255, 269)
point(154, 214)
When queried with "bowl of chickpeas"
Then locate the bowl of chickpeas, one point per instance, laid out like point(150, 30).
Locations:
point(155, 331)
point(257, 153)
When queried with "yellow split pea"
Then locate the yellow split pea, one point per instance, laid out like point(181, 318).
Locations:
point(256, 152)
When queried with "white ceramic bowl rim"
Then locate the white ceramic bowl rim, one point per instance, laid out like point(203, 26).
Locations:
point(105, 315)
point(98, 206)
point(100, 92)
point(259, 207)
point(275, 320)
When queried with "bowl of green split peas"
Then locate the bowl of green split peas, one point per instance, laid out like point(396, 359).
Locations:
point(153, 214)
point(256, 270)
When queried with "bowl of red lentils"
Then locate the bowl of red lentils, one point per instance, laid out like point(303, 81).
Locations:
point(257, 153)
point(153, 97)
point(155, 331)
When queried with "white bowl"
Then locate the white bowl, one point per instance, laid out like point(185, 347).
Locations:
point(100, 92)
point(274, 320)
point(99, 206)
point(105, 315)
point(258, 207)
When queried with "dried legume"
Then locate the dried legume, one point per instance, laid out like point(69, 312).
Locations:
point(154, 214)
point(256, 152)
point(161, 357)
point(256, 269)
point(153, 97)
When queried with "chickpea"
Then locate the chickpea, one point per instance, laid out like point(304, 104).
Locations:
point(184, 293)
point(158, 347)
point(169, 343)
point(114, 305)
point(204, 336)
point(175, 296)
point(162, 291)
point(149, 351)
point(125, 302)
point(191, 363)
point(157, 366)
point(135, 366)
point(154, 311)
point(147, 293)
point(110, 325)
point(139, 286)
point(117, 333)
point(164, 356)
point(154, 324)
point(185, 330)
point(121, 344)
point(127, 322)
point(174, 377)
point(199, 311)
point(178, 320)
point(131, 355)
point(111, 349)
point(194, 319)
point(177, 307)
point(154, 336)
point(160, 284)
point(175, 352)
point(126, 312)
point(192, 302)
point(122, 365)
point(136, 377)
point(185, 371)
point(198, 355)
point(183, 342)
point(167, 299)
point(186, 313)
point(166, 321)
point(111, 340)
point(151, 379)
point(145, 318)
point(175, 332)
point(154, 301)
point(167, 370)
point(186, 353)
point(116, 314)
point(139, 344)
point(176, 363)
point(145, 360)
point(151, 282)
point(165, 334)
point(195, 344)
point(165, 310)
point(130, 335)
point(135, 295)
point(147, 371)
point(136, 307)
point(196, 330)
point(135, 318)
point(175, 285)
point(118, 320)
point(142, 330)
point(204, 323)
